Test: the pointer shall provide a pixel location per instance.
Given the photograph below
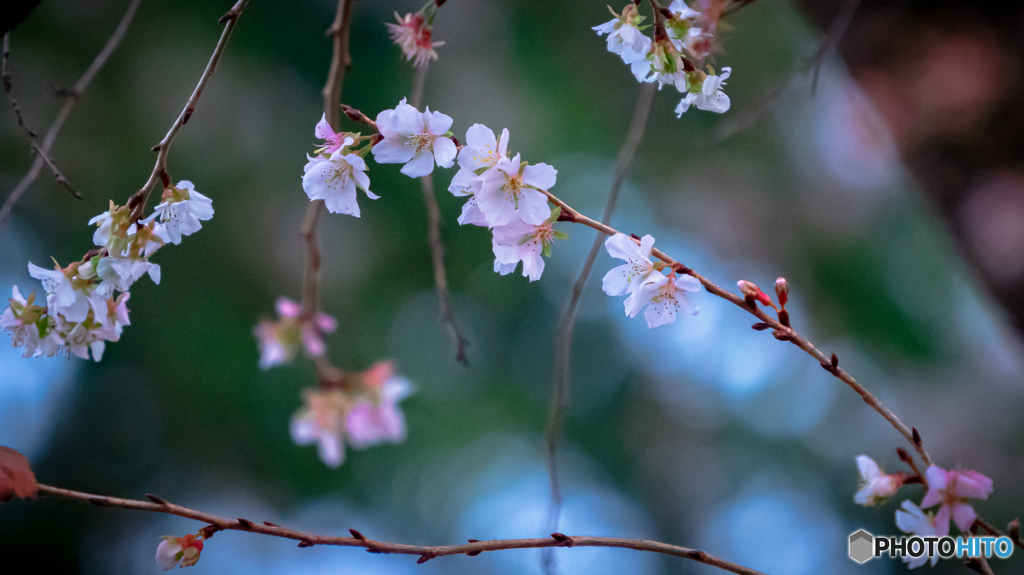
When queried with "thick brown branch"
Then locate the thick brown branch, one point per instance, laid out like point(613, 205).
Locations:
point(784, 333)
point(38, 151)
point(563, 342)
point(434, 239)
point(159, 173)
point(71, 98)
point(471, 549)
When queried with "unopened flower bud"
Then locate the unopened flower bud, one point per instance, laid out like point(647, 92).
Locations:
point(749, 289)
point(782, 290)
point(173, 550)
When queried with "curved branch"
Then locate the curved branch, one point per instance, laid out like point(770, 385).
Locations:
point(780, 331)
point(72, 97)
point(138, 200)
point(473, 548)
point(563, 342)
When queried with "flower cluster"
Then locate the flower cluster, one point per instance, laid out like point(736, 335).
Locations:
point(662, 296)
point(363, 411)
point(412, 34)
point(86, 301)
point(279, 340)
point(682, 36)
point(949, 490)
point(334, 172)
point(174, 550)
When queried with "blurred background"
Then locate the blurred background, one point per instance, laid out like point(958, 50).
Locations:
point(892, 200)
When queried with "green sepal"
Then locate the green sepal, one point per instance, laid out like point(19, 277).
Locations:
point(559, 235)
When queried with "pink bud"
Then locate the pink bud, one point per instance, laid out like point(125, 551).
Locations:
point(782, 290)
point(751, 290)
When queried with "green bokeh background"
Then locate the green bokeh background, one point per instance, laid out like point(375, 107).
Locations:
point(178, 407)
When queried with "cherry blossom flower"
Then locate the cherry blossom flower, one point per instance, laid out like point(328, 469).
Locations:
point(471, 214)
point(952, 489)
point(68, 301)
point(334, 180)
point(481, 153)
point(416, 139)
point(624, 35)
point(278, 341)
point(510, 189)
point(710, 98)
point(665, 65)
point(332, 141)
point(875, 485)
point(182, 210)
point(518, 241)
point(664, 297)
point(173, 550)
point(910, 519)
point(29, 325)
point(377, 418)
point(412, 33)
point(626, 279)
point(322, 421)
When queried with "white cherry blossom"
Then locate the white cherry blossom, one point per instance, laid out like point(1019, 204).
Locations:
point(322, 421)
point(624, 37)
point(510, 189)
point(911, 519)
point(664, 297)
point(416, 139)
point(334, 180)
point(711, 98)
point(182, 211)
point(627, 277)
point(518, 241)
point(875, 485)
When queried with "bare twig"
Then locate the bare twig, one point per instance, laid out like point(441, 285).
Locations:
point(424, 552)
point(340, 61)
point(71, 98)
point(754, 114)
point(563, 343)
point(996, 531)
point(434, 239)
point(33, 144)
point(781, 332)
point(159, 174)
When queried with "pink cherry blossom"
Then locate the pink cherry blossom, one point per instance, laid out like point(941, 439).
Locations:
point(412, 33)
point(322, 421)
point(875, 485)
point(334, 180)
point(951, 490)
point(376, 418)
point(518, 241)
point(332, 141)
point(279, 341)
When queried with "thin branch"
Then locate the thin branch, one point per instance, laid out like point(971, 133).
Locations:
point(158, 505)
point(138, 200)
point(33, 144)
point(563, 344)
point(780, 331)
point(71, 98)
point(340, 61)
point(434, 239)
point(996, 531)
point(753, 115)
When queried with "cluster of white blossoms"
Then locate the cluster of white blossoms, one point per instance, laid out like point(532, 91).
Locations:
point(662, 296)
point(86, 301)
point(686, 36)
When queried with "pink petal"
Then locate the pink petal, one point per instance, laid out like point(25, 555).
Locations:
point(287, 308)
point(963, 515)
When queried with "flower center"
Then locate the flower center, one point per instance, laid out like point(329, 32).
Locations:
point(421, 141)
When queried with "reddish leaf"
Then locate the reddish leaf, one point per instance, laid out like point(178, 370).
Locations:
point(16, 477)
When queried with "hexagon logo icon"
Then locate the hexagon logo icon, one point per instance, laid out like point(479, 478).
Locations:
point(861, 546)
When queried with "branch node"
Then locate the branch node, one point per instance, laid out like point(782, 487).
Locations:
point(307, 543)
point(424, 558)
point(784, 318)
point(357, 535)
point(155, 499)
point(245, 523)
point(209, 530)
point(269, 524)
point(98, 501)
point(562, 539)
point(835, 361)
point(917, 438)
point(473, 553)
point(760, 326)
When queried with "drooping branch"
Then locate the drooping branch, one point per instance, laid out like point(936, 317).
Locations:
point(37, 150)
point(71, 98)
point(780, 331)
point(434, 239)
point(138, 200)
point(340, 61)
point(563, 342)
point(425, 553)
